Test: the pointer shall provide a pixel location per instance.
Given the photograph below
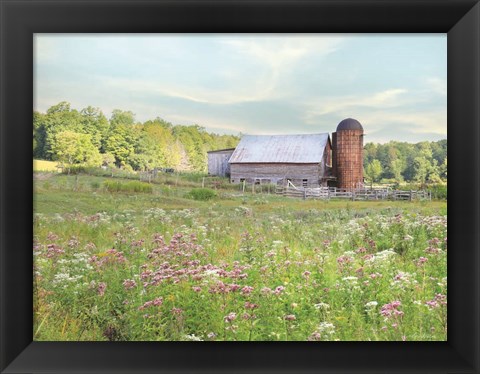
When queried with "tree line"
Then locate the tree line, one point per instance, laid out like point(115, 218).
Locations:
point(88, 138)
point(424, 162)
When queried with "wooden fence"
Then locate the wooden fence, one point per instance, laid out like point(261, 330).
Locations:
point(290, 190)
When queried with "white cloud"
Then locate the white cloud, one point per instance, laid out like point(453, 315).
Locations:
point(276, 58)
point(437, 85)
point(267, 62)
point(344, 104)
point(272, 59)
point(280, 53)
point(428, 121)
point(422, 122)
point(394, 107)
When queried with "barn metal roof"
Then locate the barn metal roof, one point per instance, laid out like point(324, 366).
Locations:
point(305, 148)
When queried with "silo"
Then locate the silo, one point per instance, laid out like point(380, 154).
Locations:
point(348, 145)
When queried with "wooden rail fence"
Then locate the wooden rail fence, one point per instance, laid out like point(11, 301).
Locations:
point(290, 190)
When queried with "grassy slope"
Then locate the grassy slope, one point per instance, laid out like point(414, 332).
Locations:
point(58, 194)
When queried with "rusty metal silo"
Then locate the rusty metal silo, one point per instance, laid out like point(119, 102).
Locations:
point(348, 149)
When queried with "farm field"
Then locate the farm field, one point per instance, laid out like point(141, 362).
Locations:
point(43, 165)
point(121, 260)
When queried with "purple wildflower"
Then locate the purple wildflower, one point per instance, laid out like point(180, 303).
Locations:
point(101, 288)
point(279, 290)
point(266, 291)
point(361, 250)
point(421, 261)
point(54, 250)
point(391, 310)
point(230, 317)
point(247, 290)
point(129, 284)
point(176, 311)
point(249, 305)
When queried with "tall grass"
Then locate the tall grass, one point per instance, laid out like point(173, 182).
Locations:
point(131, 186)
point(202, 194)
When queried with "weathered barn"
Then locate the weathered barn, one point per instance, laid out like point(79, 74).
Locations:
point(302, 159)
point(218, 162)
point(305, 160)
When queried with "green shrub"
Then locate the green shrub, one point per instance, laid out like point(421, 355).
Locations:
point(131, 186)
point(439, 191)
point(202, 194)
point(95, 185)
point(74, 169)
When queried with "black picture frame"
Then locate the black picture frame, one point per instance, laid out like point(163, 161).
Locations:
point(20, 19)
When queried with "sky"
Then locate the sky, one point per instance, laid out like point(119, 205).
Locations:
point(394, 84)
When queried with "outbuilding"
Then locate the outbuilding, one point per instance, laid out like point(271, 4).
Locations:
point(218, 162)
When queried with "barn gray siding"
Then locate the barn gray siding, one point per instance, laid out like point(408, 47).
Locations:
point(218, 163)
point(276, 171)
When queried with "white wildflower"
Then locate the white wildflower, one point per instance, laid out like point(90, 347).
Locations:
point(322, 306)
point(371, 305)
point(193, 338)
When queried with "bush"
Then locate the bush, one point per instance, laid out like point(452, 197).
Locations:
point(202, 194)
point(95, 185)
point(439, 191)
point(74, 169)
point(132, 186)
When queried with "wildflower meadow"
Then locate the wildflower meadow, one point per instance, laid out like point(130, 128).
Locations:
point(158, 265)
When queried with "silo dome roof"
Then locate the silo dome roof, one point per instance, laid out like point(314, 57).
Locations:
point(349, 124)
